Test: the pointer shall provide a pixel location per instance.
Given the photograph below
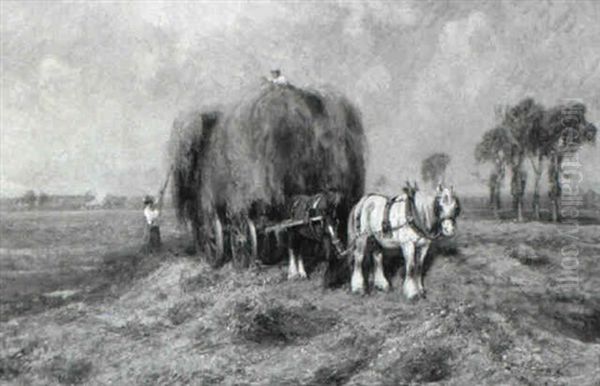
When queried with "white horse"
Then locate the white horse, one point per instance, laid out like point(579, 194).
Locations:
point(409, 222)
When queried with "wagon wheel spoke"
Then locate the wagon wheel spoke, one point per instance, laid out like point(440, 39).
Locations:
point(243, 243)
point(213, 242)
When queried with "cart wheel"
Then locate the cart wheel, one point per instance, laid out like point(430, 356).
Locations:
point(243, 243)
point(213, 242)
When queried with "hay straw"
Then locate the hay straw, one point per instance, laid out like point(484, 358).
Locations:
point(277, 142)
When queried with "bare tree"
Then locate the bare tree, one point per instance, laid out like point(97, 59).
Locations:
point(523, 122)
point(494, 148)
point(565, 130)
point(530, 131)
point(508, 145)
point(433, 168)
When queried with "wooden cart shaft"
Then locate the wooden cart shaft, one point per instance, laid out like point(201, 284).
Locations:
point(291, 223)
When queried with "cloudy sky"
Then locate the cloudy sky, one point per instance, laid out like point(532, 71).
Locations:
point(90, 89)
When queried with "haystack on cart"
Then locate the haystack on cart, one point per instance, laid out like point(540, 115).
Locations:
point(278, 142)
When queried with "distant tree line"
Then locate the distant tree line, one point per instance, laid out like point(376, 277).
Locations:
point(31, 200)
point(530, 132)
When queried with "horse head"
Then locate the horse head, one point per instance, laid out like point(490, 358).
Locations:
point(332, 202)
point(333, 199)
point(446, 209)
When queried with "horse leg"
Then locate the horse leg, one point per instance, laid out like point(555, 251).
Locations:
point(292, 268)
point(357, 283)
point(381, 282)
point(301, 271)
point(410, 286)
point(421, 267)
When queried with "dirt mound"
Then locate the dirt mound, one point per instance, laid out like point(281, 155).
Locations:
point(265, 321)
point(170, 377)
point(576, 319)
point(349, 356)
point(123, 265)
point(199, 281)
point(69, 372)
point(423, 365)
point(17, 362)
point(526, 254)
point(184, 311)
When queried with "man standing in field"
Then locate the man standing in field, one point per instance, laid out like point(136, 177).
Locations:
point(152, 215)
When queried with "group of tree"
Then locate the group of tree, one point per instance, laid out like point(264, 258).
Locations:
point(529, 131)
point(433, 168)
point(29, 198)
point(32, 200)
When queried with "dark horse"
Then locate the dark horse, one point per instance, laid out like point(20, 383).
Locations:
point(321, 233)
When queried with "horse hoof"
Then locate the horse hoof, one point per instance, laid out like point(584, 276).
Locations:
point(414, 297)
point(382, 288)
point(358, 291)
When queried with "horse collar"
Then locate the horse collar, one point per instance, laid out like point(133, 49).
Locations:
point(415, 221)
point(386, 225)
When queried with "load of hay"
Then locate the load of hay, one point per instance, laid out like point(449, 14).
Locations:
point(251, 156)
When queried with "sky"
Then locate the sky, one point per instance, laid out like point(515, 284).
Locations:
point(90, 89)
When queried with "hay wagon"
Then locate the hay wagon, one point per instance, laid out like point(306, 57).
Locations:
point(242, 241)
point(236, 169)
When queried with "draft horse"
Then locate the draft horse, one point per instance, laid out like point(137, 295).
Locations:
point(322, 233)
point(408, 222)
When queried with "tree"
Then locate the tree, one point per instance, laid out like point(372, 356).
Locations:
point(433, 168)
point(494, 148)
point(523, 122)
point(381, 182)
point(29, 198)
point(535, 142)
point(529, 131)
point(43, 199)
point(90, 195)
point(536, 154)
point(565, 130)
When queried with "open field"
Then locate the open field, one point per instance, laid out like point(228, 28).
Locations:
point(80, 304)
point(45, 251)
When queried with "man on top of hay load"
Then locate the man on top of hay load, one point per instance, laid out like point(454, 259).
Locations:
point(277, 78)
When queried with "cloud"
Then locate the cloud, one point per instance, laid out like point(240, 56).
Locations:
point(90, 89)
point(374, 80)
point(463, 64)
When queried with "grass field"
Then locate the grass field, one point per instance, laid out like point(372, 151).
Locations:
point(81, 305)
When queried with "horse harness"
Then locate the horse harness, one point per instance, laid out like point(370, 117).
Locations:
point(386, 224)
point(312, 206)
point(412, 220)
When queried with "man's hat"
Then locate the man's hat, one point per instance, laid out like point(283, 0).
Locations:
point(148, 200)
